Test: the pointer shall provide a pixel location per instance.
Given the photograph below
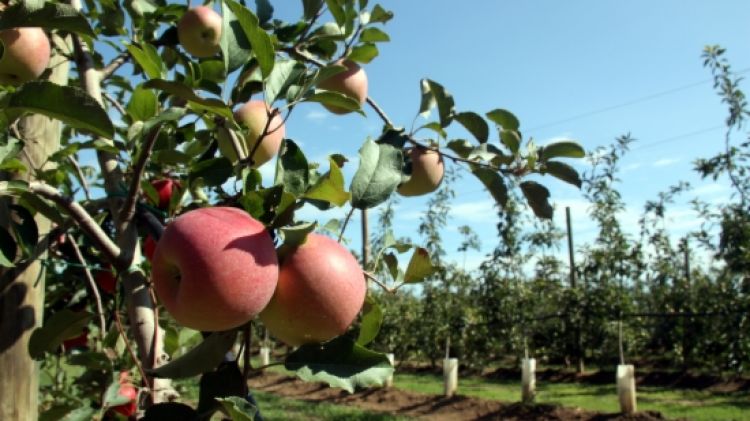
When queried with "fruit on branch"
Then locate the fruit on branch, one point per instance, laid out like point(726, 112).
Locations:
point(427, 170)
point(81, 341)
point(320, 291)
point(165, 187)
point(214, 268)
point(127, 390)
point(199, 31)
point(105, 279)
point(149, 247)
point(25, 55)
point(254, 117)
point(352, 82)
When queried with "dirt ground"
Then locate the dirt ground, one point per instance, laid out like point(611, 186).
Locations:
point(430, 406)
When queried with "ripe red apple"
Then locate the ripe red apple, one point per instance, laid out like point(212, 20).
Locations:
point(427, 170)
point(149, 247)
point(25, 57)
point(352, 82)
point(254, 116)
point(129, 391)
point(320, 291)
point(106, 280)
point(214, 268)
point(165, 188)
point(199, 31)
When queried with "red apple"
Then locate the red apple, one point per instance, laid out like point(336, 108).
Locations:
point(199, 31)
point(80, 341)
point(215, 268)
point(427, 170)
point(352, 82)
point(320, 291)
point(25, 56)
point(254, 117)
point(106, 279)
point(129, 391)
point(149, 247)
point(165, 188)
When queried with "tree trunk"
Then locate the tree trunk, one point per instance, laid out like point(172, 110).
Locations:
point(22, 288)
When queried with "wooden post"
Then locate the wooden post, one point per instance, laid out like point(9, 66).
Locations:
point(450, 376)
point(389, 379)
point(528, 380)
point(22, 288)
point(265, 356)
point(573, 284)
point(626, 388)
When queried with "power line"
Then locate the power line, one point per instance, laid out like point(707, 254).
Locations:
point(628, 103)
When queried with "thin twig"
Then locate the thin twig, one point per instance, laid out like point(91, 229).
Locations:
point(346, 222)
point(115, 64)
point(124, 337)
point(92, 285)
point(374, 105)
point(248, 337)
point(377, 281)
point(81, 177)
point(128, 208)
point(115, 103)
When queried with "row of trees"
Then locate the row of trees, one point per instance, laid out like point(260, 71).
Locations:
point(644, 291)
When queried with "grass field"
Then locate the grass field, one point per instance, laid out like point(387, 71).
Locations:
point(275, 408)
point(674, 403)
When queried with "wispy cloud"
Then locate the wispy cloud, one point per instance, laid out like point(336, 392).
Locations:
point(665, 162)
point(316, 115)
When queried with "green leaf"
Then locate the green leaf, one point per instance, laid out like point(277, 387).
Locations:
point(378, 175)
point(264, 10)
point(235, 45)
point(475, 124)
point(504, 119)
point(238, 409)
point(494, 183)
point(182, 91)
point(213, 172)
point(59, 16)
point(364, 53)
point(565, 149)
point(461, 147)
point(444, 101)
point(340, 363)
point(8, 249)
point(372, 319)
point(71, 105)
point(337, 11)
point(10, 149)
point(311, 8)
point(63, 324)
point(260, 42)
point(335, 99)
point(420, 266)
point(143, 104)
point(292, 169)
point(538, 198)
point(373, 35)
point(149, 60)
point(428, 99)
point(204, 357)
point(295, 235)
point(284, 73)
point(330, 187)
point(80, 414)
point(563, 171)
point(379, 14)
point(511, 139)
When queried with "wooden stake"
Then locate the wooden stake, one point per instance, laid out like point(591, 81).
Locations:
point(450, 376)
point(389, 379)
point(626, 388)
point(528, 380)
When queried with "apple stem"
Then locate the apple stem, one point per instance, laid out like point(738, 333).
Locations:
point(346, 222)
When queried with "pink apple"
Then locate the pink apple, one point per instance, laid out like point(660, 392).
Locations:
point(352, 82)
point(215, 268)
point(427, 170)
point(320, 291)
point(199, 31)
point(25, 57)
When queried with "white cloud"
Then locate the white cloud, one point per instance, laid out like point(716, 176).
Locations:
point(632, 167)
point(316, 115)
point(665, 162)
point(710, 189)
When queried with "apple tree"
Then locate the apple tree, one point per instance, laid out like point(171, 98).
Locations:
point(180, 105)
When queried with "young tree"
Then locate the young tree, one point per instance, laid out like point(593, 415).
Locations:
point(174, 112)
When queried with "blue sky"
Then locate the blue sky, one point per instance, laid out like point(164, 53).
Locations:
point(628, 67)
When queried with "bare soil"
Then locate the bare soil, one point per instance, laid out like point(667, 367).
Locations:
point(431, 407)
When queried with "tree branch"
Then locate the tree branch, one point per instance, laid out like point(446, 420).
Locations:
point(115, 64)
point(92, 285)
point(128, 208)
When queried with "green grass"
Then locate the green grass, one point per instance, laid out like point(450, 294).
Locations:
point(277, 408)
point(673, 403)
